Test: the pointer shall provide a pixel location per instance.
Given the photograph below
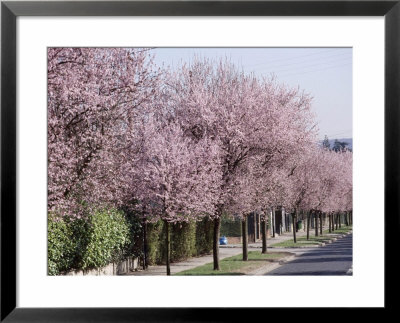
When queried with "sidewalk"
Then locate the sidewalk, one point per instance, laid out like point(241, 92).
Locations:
point(228, 250)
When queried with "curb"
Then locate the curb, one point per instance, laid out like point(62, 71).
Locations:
point(300, 247)
point(350, 271)
point(287, 259)
point(273, 264)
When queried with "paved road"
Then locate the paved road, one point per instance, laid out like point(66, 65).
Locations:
point(332, 259)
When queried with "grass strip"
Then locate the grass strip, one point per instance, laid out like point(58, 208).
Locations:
point(235, 265)
point(313, 240)
point(343, 229)
point(302, 242)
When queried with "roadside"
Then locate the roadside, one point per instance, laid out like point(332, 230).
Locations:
point(226, 251)
point(236, 266)
point(285, 240)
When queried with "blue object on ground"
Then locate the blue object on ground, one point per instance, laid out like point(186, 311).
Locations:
point(223, 240)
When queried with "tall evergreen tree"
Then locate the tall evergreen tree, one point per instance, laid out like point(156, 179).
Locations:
point(326, 144)
point(339, 145)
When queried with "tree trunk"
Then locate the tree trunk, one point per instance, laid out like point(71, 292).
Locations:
point(145, 248)
point(346, 219)
point(273, 222)
point(340, 220)
point(264, 233)
point(329, 222)
point(334, 222)
point(217, 223)
point(308, 225)
point(320, 223)
point(245, 238)
point(337, 221)
point(167, 244)
point(316, 223)
point(294, 226)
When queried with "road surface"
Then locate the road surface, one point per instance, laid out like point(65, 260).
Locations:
point(332, 259)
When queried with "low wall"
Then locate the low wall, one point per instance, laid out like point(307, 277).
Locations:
point(121, 268)
point(234, 240)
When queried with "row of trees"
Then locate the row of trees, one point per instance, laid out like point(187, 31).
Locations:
point(336, 145)
point(199, 141)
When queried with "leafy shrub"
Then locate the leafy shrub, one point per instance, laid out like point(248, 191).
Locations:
point(204, 236)
point(188, 239)
point(91, 242)
point(102, 238)
point(60, 245)
point(135, 246)
point(183, 243)
point(111, 235)
point(155, 242)
point(230, 227)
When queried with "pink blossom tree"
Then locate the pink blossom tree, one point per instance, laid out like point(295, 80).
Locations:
point(243, 115)
point(178, 173)
point(337, 182)
point(303, 184)
point(320, 183)
point(93, 96)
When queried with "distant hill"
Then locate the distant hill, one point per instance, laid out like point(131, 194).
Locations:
point(349, 141)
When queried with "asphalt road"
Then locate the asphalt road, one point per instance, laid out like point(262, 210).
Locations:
point(332, 259)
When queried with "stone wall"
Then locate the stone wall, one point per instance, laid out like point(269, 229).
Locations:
point(234, 240)
point(123, 267)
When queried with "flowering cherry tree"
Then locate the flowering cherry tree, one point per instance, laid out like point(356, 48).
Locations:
point(321, 182)
point(244, 116)
point(93, 96)
point(179, 174)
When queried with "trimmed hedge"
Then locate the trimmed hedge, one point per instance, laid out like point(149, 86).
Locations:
point(103, 237)
point(60, 245)
point(188, 239)
point(204, 236)
point(230, 227)
point(111, 235)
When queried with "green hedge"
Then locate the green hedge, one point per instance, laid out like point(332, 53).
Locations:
point(188, 239)
point(230, 227)
point(61, 246)
point(92, 242)
point(110, 235)
point(204, 236)
point(104, 238)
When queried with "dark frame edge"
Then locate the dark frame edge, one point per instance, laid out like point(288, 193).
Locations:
point(392, 146)
point(8, 295)
point(203, 8)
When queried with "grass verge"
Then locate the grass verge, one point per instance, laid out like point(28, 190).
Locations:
point(313, 240)
point(343, 229)
point(235, 265)
point(302, 242)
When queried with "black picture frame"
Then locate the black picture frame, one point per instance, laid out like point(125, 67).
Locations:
point(10, 10)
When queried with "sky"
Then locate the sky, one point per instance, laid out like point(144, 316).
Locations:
point(324, 73)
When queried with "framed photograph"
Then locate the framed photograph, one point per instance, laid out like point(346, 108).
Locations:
point(357, 41)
